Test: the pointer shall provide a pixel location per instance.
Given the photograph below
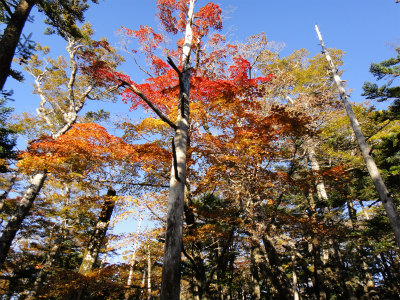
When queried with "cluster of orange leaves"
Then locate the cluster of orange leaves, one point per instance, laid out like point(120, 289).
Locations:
point(86, 148)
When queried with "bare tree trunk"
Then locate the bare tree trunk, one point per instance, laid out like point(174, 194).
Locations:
point(14, 224)
point(133, 260)
point(12, 34)
point(171, 271)
point(294, 274)
point(149, 297)
point(278, 278)
point(384, 196)
point(97, 238)
point(255, 280)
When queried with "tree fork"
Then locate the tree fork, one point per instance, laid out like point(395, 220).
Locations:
point(384, 196)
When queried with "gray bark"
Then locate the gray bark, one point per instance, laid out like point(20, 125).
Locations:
point(171, 271)
point(14, 224)
point(384, 196)
point(149, 297)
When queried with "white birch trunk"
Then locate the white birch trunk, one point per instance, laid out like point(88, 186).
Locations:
point(376, 177)
point(133, 259)
point(171, 272)
point(148, 273)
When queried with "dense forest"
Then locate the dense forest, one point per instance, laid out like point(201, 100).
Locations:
point(246, 175)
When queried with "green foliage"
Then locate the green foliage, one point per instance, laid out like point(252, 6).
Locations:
point(62, 16)
point(7, 136)
point(388, 70)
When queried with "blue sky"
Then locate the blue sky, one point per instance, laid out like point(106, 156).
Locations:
point(367, 30)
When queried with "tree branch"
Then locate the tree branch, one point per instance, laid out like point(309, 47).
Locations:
point(154, 214)
point(172, 64)
point(149, 103)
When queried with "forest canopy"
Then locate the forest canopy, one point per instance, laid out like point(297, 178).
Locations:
point(235, 171)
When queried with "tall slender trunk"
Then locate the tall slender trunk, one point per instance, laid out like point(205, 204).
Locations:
point(19, 215)
point(133, 260)
point(384, 196)
point(12, 34)
point(149, 297)
point(255, 280)
point(97, 238)
point(171, 271)
point(334, 251)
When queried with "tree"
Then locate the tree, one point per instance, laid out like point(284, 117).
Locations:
point(384, 196)
point(59, 108)
point(389, 70)
point(62, 17)
point(176, 16)
point(7, 141)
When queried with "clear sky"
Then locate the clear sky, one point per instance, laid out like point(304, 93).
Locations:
point(367, 30)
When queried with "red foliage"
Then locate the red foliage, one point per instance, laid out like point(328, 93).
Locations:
point(209, 16)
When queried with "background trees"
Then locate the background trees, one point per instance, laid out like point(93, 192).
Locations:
point(276, 201)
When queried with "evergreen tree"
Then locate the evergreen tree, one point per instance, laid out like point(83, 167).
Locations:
point(7, 141)
point(61, 16)
point(388, 69)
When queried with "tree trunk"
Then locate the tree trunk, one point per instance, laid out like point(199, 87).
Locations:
point(12, 34)
point(254, 274)
point(294, 274)
point(133, 261)
point(384, 196)
point(97, 238)
point(171, 271)
point(278, 278)
point(338, 272)
point(148, 273)
point(14, 224)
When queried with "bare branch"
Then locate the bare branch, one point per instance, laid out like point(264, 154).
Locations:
point(155, 214)
point(134, 59)
point(149, 103)
point(172, 64)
